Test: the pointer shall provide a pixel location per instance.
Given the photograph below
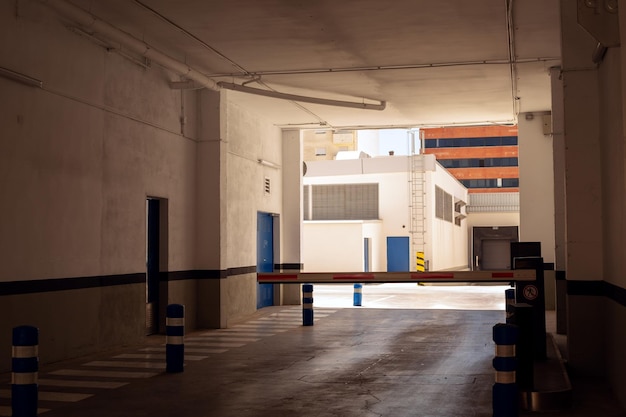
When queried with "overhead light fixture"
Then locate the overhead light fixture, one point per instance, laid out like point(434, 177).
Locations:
point(268, 163)
point(20, 78)
point(306, 99)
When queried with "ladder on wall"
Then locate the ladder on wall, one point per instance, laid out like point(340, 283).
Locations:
point(417, 208)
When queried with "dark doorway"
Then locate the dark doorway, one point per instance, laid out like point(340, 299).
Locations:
point(492, 247)
point(153, 207)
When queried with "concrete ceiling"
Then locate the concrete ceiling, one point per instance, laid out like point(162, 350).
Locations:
point(433, 62)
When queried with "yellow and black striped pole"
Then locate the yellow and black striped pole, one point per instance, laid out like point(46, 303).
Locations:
point(419, 261)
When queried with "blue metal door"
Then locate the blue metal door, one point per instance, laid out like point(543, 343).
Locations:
point(398, 254)
point(265, 257)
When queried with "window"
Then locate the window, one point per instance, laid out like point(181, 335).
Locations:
point(470, 142)
point(477, 163)
point(492, 183)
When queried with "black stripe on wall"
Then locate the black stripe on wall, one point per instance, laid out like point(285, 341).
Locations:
point(288, 267)
point(79, 283)
point(598, 289)
point(62, 284)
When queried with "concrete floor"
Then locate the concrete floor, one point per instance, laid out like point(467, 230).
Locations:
point(364, 362)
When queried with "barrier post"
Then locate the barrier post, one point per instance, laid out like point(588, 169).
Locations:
point(25, 368)
point(533, 294)
point(523, 318)
point(509, 296)
point(174, 338)
point(307, 304)
point(358, 295)
point(505, 395)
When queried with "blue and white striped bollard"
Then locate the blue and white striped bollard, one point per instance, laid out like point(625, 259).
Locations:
point(174, 336)
point(25, 369)
point(307, 304)
point(358, 295)
point(505, 393)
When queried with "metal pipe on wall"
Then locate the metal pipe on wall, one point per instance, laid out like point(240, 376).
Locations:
point(87, 20)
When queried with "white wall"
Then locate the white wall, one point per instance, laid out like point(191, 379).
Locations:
point(447, 244)
point(333, 246)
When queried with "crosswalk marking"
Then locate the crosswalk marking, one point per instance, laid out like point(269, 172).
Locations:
point(149, 361)
point(187, 349)
point(220, 338)
point(103, 374)
point(160, 356)
point(215, 344)
point(239, 332)
point(127, 364)
point(80, 384)
point(52, 396)
point(5, 411)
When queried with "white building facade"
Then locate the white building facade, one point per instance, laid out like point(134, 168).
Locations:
point(379, 214)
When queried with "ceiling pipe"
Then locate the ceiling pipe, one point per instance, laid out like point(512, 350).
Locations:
point(89, 21)
point(306, 99)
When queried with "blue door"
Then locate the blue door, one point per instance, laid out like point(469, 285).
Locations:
point(398, 254)
point(265, 257)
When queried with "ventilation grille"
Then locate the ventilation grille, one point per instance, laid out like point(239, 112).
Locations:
point(267, 185)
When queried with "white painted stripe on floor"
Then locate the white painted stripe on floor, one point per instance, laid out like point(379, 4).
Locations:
point(274, 325)
point(221, 338)
point(240, 332)
point(187, 349)
point(257, 328)
point(103, 374)
point(68, 397)
point(6, 411)
point(287, 320)
point(215, 344)
point(80, 384)
point(160, 356)
point(127, 364)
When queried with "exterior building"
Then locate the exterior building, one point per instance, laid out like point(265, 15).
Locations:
point(322, 145)
point(483, 158)
point(381, 214)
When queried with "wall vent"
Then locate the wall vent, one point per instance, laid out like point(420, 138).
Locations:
point(267, 185)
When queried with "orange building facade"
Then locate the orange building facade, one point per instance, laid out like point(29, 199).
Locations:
point(483, 158)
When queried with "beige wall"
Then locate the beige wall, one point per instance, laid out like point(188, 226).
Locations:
point(536, 183)
point(594, 115)
point(79, 157)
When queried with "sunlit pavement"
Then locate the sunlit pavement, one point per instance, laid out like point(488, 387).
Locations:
point(412, 296)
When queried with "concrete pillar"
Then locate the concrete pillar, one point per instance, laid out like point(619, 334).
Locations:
point(291, 228)
point(537, 190)
point(560, 236)
point(583, 190)
point(210, 208)
point(536, 182)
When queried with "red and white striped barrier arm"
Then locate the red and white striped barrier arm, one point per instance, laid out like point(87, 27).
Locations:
point(382, 277)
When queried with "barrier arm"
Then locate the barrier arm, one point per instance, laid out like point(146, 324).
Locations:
point(504, 276)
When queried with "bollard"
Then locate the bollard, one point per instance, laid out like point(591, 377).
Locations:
point(174, 338)
point(25, 368)
point(523, 318)
point(358, 294)
point(509, 296)
point(307, 304)
point(505, 396)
